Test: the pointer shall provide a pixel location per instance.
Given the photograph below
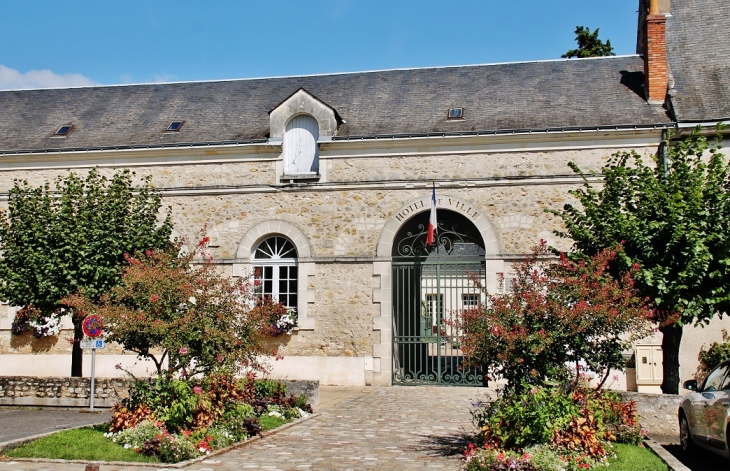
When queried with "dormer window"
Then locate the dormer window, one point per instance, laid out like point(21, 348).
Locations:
point(455, 113)
point(301, 153)
point(63, 130)
point(174, 126)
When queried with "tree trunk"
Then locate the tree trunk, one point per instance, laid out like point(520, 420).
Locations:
point(670, 351)
point(77, 355)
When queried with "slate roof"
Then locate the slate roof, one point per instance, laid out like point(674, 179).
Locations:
point(699, 58)
point(529, 95)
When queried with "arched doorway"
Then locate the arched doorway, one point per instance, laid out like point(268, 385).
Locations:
point(432, 286)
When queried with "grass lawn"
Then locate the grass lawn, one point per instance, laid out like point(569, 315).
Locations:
point(89, 443)
point(634, 458)
point(269, 422)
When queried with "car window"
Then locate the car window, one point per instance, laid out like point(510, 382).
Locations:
point(726, 382)
point(715, 379)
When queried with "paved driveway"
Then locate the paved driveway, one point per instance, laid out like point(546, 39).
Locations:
point(357, 428)
point(21, 423)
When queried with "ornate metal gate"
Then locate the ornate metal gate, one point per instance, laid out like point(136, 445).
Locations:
point(432, 286)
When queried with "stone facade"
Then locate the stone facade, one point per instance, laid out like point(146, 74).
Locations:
point(342, 225)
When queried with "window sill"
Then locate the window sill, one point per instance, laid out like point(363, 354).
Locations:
point(300, 178)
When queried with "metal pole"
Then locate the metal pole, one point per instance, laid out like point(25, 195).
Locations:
point(93, 360)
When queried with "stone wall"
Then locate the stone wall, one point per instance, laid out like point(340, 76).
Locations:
point(61, 392)
point(658, 414)
point(74, 392)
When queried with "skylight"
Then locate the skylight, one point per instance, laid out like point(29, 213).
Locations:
point(63, 130)
point(456, 113)
point(175, 126)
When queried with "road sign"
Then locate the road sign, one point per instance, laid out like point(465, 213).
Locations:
point(92, 326)
point(93, 343)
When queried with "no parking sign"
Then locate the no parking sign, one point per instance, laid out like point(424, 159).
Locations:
point(92, 326)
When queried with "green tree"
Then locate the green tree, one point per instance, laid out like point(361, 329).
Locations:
point(55, 242)
point(672, 217)
point(589, 45)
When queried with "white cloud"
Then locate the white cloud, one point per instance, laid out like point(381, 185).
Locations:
point(128, 79)
point(11, 79)
point(163, 78)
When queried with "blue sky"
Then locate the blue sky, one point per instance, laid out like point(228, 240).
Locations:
point(75, 42)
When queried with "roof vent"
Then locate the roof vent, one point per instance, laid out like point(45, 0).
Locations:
point(175, 126)
point(63, 130)
point(456, 113)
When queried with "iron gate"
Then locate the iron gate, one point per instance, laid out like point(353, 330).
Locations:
point(431, 288)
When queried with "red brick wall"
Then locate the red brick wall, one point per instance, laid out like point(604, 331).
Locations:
point(655, 59)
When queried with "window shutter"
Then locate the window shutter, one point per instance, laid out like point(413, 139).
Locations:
point(301, 154)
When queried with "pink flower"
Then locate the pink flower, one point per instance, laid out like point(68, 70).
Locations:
point(154, 298)
point(197, 390)
point(183, 351)
point(118, 366)
point(219, 357)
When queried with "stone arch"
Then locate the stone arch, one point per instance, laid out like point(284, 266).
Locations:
point(410, 209)
point(307, 269)
point(263, 229)
point(382, 373)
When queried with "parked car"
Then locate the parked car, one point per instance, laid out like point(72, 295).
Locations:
point(704, 412)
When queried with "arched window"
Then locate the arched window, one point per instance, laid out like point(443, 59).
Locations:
point(301, 153)
point(275, 268)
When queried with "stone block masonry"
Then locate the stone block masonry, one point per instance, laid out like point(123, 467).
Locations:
point(657, 414)
point(31, 391)
point(61, 392)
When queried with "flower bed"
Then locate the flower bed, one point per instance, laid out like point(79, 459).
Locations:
point(178, 420)
point(560, 429)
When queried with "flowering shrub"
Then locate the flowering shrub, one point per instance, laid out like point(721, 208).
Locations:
point(136, 436)
point(489, 459)
point(574, 423)
point(286, 323)
point(280, 319)
point(178, 419)
point(181, 312)
point(174, 448)
point(557, 314)
point(713, 356)
point(30, 319)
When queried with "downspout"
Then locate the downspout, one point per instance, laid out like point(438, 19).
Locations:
point(662, 152)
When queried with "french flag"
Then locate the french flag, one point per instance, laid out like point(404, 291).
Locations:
point(431, 236)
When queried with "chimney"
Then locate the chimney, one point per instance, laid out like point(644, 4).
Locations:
point(655, 55)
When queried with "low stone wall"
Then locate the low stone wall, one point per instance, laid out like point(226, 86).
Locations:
point(30, 391)
point(308, 388)
point(658, 414)
point(61, 392)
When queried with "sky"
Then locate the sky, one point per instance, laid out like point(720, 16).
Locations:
point(89, 42)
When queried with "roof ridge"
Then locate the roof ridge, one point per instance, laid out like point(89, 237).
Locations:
point(398, 69)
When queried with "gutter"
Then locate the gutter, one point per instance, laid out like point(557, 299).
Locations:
point(701, 122)
point(179, 145)
point(278, 142)
point(502, 132)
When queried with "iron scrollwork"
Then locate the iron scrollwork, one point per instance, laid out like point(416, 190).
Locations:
point(449, 242)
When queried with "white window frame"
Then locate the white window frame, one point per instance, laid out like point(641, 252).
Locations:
point(280, 256)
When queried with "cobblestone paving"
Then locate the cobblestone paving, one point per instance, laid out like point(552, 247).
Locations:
point(371, 428)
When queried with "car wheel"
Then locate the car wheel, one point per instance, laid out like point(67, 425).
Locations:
point(685, 437)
